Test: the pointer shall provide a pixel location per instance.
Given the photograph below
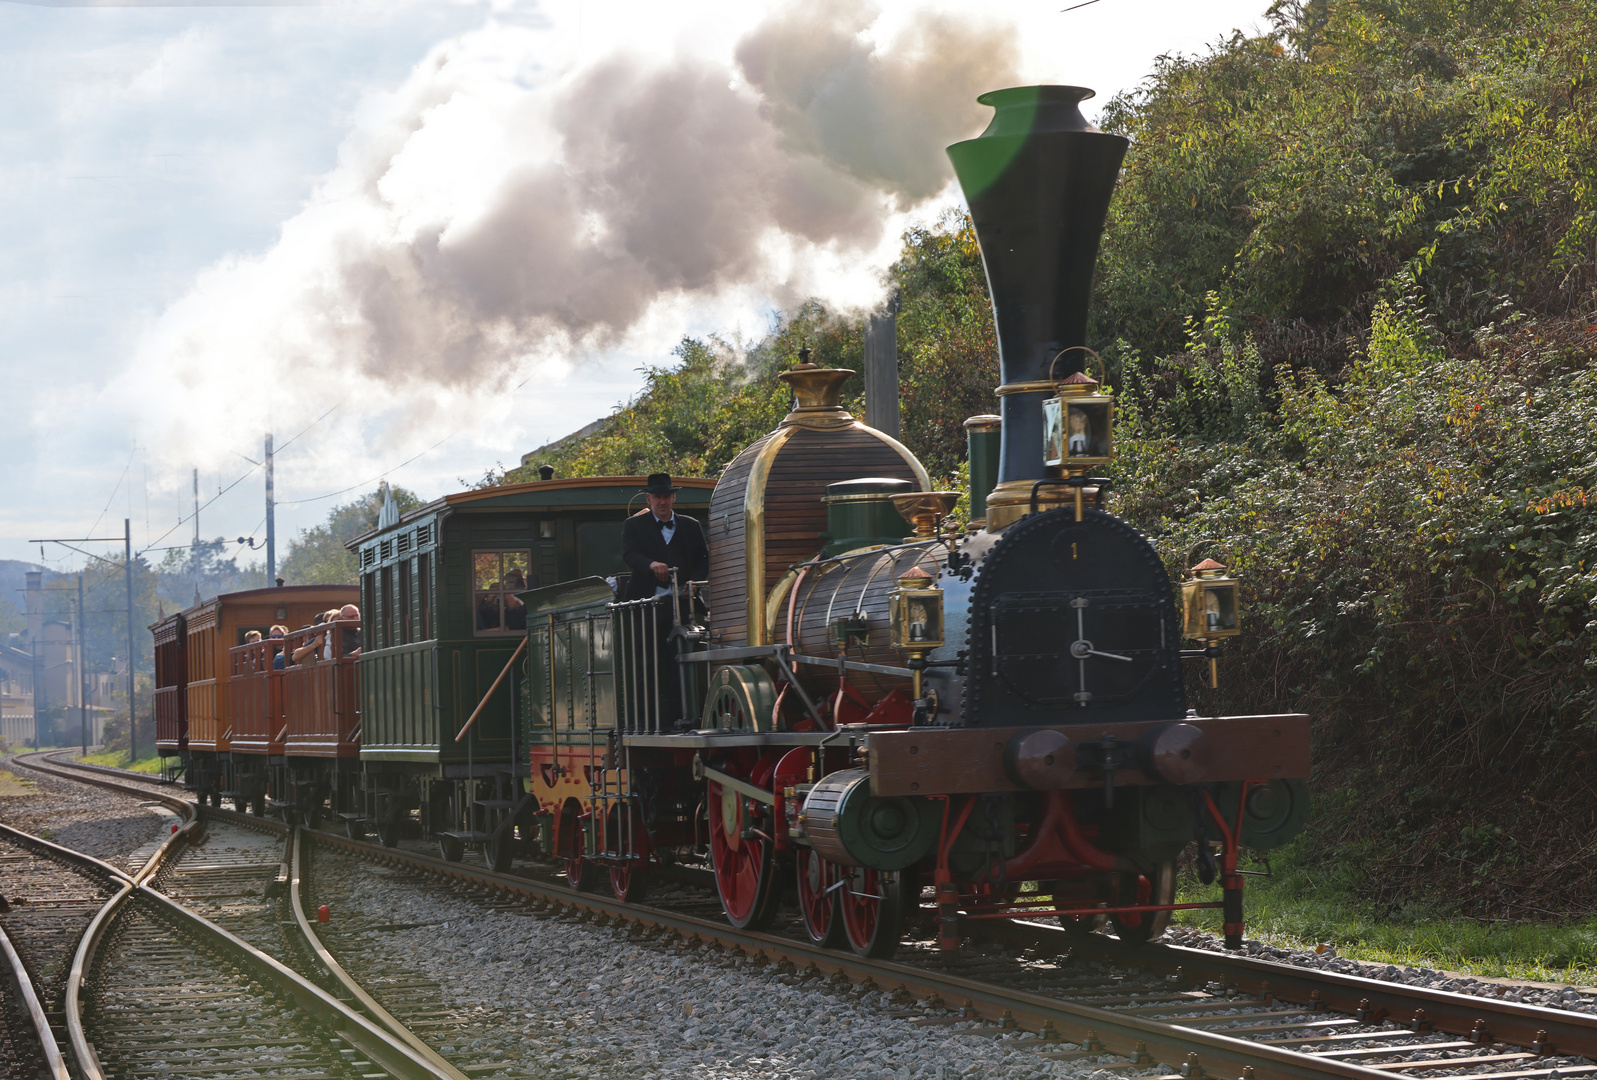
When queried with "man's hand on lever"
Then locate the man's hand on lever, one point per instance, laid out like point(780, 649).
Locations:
point(662, 572)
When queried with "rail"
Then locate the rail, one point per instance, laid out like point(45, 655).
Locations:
point(1320, 994)
point(1119, 1033)
point(398, 1055)
point(55, 1064)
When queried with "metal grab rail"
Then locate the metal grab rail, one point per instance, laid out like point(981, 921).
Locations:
point(472, 719)
point(635, 636)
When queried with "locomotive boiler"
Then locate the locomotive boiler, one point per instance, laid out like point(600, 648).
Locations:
point(991, 719)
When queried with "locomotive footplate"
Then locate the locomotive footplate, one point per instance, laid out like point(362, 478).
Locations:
point(1195, 750)
point(850, 736)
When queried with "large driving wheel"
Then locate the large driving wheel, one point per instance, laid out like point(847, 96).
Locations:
point(744, 867)
point(500, 850)
point(1135, 928)
point(872, 908)
point(579, 873)
point(629, 879)
point(818, 898)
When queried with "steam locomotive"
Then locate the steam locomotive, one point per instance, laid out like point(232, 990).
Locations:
point(878, 711)
point(996, 713)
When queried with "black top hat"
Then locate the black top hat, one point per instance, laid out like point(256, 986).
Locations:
point(660, 484)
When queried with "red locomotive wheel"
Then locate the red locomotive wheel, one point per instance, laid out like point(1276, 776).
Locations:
point(628, 880)
point(744, 867)
point(818, 898)
point(579, 873)
point(872, 908)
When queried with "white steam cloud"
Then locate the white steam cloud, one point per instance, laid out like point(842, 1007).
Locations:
point(486, 223)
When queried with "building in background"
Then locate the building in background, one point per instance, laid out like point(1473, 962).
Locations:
point(41, 676)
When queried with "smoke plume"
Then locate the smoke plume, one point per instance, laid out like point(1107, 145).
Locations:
point(484, 224)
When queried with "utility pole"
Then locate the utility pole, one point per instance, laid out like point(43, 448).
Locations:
point(83, 675)
point(194, 552)
point(127, 574)
point(127, 577)
point(271, 520)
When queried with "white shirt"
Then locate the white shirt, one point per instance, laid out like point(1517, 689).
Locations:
point(668, 529)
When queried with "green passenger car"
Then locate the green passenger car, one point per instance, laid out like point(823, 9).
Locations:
point(441, 623)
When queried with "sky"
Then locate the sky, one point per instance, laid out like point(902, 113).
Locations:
point(418, 238)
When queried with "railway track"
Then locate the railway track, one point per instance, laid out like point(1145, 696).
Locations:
point(154, 989)
point(1196, 1012)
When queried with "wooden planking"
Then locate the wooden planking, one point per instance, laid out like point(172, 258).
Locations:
point(794, 516)
point(727, 547)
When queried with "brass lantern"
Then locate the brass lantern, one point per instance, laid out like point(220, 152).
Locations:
point(917, 620)
point(1209, 602)
point(1211, 608)
point(915, 625)
point(1078, 426)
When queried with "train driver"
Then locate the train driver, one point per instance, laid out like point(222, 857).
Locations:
point(653, 543)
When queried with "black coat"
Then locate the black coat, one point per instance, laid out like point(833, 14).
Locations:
point(642, 544)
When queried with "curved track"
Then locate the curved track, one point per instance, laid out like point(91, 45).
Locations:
point(134, 1004)
point(1201, 1013)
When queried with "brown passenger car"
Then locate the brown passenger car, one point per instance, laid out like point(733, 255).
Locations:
point(228, 742)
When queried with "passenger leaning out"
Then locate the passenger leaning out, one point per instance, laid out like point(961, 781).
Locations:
point(308, 650)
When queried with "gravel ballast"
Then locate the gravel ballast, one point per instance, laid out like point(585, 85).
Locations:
point(92, 820)
point(563, 999)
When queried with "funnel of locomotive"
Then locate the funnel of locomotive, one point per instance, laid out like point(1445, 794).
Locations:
point(1038, 183)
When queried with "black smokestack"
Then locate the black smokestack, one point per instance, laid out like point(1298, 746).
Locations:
point(1038, 183)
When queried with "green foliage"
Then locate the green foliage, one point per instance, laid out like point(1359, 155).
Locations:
point(1276, 183)
point(947, 346)
point(1419, 555)
point(317, 556)
point(201, 571)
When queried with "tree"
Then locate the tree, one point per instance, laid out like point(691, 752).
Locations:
point(201, 571)
point(318, 556)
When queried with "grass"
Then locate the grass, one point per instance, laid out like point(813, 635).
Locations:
point(12, 784)
point(119, 759)
point(1312, 901)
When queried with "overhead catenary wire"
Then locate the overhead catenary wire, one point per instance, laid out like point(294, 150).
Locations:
point(117, 487)
point(379, 476)
point(385, 472)
point(246, 475)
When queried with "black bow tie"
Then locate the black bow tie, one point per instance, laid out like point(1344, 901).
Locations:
point(666, 524)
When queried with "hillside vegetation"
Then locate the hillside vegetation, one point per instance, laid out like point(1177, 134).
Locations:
point(1347, 297)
